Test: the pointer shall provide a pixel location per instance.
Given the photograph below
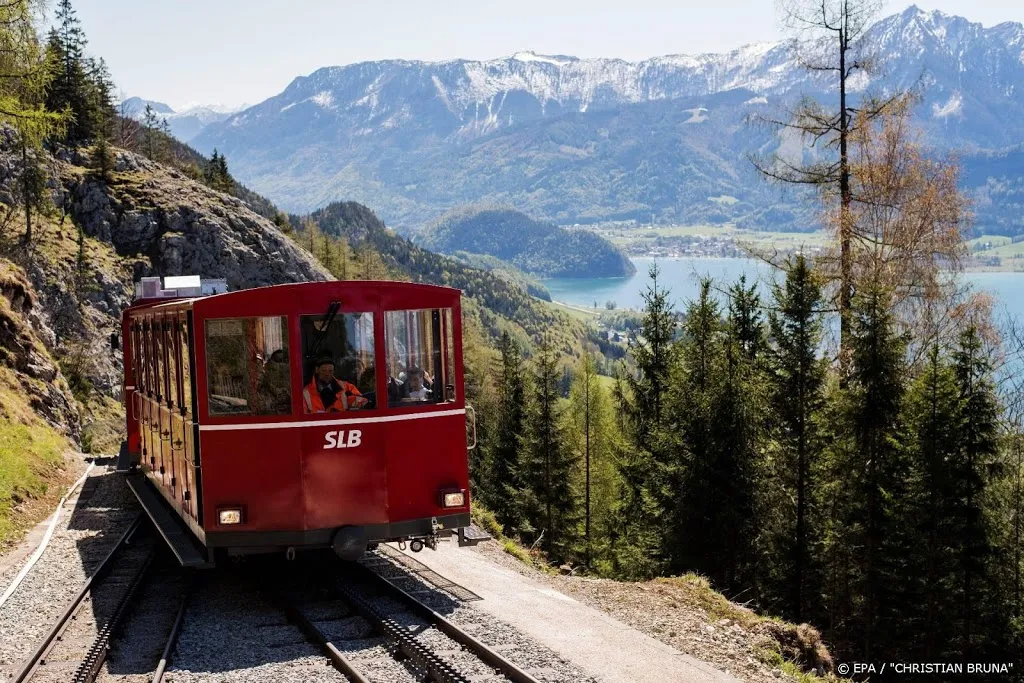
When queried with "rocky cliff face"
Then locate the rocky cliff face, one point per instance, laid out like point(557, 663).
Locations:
point(33, 371)
point(68, 287)
point(180, 226)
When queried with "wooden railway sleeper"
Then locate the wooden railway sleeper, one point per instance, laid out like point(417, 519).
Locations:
point(437, 669)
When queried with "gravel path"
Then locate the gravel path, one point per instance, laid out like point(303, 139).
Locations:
point(90, 525)
point(664, 613)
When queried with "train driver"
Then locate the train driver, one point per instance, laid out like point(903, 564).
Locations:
point(327, 394)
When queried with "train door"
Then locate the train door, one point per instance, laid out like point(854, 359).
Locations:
point(424, 454)
point(182, 424)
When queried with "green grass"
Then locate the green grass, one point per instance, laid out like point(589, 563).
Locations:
point(698, 589)
point(29, 457)
point(993, 240)
point(578, 312)
point(755, 238)
point(1007, 250)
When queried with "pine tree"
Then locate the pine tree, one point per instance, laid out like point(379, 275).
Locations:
point(72, 90)
point(741, 435)
point(979, 445)
point(797, 383)
point(102, 99)
point(503, 476)
point(223, 182)
point(870, 465)
point(642, 464)
point(104, 159)
point(547, 468)
point(166, 140)
point(934, 417)
point(694, 540)
point(151, 124)
point(593, 438)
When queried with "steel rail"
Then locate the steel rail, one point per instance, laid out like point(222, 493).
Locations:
point(32, 663)
point(437, 669)
point(172, 637)
point(438, 621)
point(100, 648)
point(311, 631)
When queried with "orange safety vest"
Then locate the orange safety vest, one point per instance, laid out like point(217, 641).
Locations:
point(349, 395)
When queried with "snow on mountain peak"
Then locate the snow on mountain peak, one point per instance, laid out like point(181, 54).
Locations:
point(531, 56)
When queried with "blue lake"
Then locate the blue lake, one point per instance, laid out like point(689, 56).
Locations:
point(682, 276)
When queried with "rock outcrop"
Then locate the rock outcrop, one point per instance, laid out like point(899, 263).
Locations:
point(180, 226)
point(22, 351)
point(67, 289)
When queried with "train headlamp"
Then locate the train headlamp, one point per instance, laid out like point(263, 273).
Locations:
point(227, 516)
point(453, 499)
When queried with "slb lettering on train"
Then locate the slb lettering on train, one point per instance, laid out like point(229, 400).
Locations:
point(343, 439)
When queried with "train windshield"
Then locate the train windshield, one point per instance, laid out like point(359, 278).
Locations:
point(420, 357)
point(247, 366)
point(338, 362)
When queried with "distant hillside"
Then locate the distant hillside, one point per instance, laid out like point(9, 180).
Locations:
point(542, 249)
point(505, 270)
point(500, 305)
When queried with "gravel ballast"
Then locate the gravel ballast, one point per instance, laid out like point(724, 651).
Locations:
point(91, 523)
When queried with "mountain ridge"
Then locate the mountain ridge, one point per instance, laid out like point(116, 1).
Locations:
point(375, 132)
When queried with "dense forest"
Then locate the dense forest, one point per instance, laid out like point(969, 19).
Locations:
point(538, 248)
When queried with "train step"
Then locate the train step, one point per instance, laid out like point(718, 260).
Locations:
point(471, 535)
point(179, 539)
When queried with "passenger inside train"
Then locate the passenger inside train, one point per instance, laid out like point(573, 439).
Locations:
point(417, 391)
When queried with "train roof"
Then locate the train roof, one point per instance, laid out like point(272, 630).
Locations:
point(418, 294)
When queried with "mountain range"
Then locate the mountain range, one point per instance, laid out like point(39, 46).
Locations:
point(587, 140)
point(185, 124)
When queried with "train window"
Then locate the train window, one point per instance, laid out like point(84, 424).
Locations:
point(145, 365)
point(339, 368)
point(186, 372)
point(157, 346)
point(137, 366)
point(171, 362)
point(247, 366)
point(419, 360)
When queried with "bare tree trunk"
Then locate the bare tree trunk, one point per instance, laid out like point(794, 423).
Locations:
point(845, 218)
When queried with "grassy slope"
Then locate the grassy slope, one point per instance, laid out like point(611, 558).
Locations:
point(32, 463)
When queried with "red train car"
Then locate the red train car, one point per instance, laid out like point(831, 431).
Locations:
point(298, 416)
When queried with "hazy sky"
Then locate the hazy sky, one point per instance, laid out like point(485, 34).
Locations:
point(235, 51)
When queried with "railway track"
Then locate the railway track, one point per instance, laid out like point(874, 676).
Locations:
point(80, 640)
point(346, 617)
